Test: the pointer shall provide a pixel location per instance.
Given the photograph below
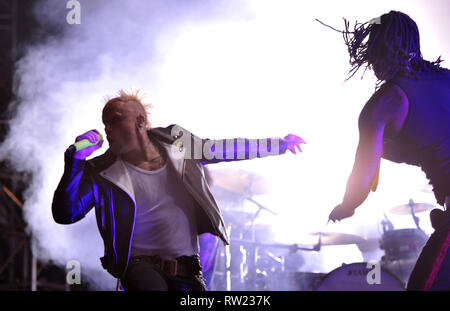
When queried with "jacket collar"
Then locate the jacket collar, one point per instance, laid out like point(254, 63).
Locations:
point(161, 135)
point(113, 169)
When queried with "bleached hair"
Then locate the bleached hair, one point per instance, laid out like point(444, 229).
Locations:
point(131, 96)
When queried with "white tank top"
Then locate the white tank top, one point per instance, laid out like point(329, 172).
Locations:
point(165, 221)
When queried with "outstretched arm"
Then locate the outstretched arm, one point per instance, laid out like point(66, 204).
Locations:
point(234, 149)
point(237, 149)
point(382, 116)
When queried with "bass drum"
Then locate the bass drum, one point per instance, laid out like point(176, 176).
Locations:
point(403, 244)
point(354, 277)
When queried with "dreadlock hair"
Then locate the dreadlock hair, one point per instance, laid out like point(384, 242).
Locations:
point(393, 47)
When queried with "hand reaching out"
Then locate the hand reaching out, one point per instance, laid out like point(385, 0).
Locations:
point(340, 212)
point(294, 141)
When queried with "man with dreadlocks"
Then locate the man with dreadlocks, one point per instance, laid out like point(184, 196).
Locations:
point(405, 121)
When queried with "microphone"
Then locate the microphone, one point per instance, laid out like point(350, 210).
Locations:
point(81, 144)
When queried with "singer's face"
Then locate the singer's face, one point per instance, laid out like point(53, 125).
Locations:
point(120, 127)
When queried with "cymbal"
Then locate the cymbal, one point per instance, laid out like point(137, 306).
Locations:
point(427, 189)
point(310, 240)
point(405, 209)
point(239, 181)
point(332, 238)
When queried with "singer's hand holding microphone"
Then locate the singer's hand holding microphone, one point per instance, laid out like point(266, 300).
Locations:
point(86, 144)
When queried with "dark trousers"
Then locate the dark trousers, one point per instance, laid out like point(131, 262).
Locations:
point(143, 275)
point(432, 269)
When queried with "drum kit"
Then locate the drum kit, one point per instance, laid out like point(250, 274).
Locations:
point(253, 261)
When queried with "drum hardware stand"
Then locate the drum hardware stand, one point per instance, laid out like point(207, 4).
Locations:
point(387, 225)
point(228, 263)
point(260, 207)
point(252, 246)
point(416, 219)
point(251, 274)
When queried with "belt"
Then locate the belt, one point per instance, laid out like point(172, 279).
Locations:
point(185, 266)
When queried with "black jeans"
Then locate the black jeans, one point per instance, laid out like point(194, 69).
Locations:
point(435, 256)
point(427, 260)
point(143, 275)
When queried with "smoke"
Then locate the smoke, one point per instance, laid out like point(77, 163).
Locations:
point(222, 69)
point(60, 84)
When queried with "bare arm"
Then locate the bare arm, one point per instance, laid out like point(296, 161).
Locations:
point(382, 116)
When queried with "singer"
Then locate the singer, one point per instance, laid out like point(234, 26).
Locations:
point(150, 194)
point(406, 120)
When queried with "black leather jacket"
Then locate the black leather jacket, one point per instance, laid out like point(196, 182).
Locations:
point(88, 184)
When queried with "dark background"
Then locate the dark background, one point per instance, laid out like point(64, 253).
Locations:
point(19, 270)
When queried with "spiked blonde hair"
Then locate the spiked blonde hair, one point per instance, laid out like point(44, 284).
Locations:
point(131, 96)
